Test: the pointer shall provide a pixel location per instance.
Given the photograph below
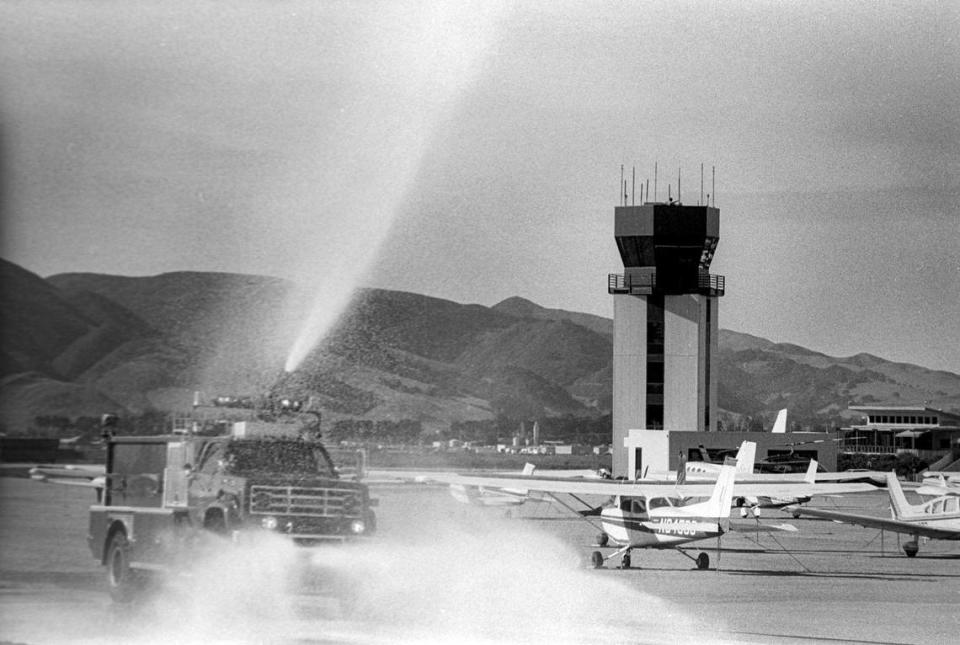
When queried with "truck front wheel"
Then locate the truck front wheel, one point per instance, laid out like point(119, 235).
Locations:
point(125, 585)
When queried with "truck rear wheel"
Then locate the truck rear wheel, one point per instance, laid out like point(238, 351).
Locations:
point(124, 583)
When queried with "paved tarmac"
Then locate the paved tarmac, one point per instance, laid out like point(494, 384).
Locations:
point(444, 572)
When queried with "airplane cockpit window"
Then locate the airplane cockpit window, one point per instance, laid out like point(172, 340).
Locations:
point(951, 505)
point(624, 503)
point(659, 502)
point(937, 507)
point(638, 507)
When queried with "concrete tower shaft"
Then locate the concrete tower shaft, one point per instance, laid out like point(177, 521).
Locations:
point(665, 326)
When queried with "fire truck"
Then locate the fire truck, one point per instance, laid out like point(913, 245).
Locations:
point(162, 495)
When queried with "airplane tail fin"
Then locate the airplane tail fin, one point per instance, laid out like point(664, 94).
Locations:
point(746, 457)
point(722, 498)
point(898, 501)
point(780, 425)
point(462, 494)
point(528, 469)
point(811, 476)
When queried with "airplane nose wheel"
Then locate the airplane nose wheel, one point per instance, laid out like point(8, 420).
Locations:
point(911, 549)
point(703, 561)
point(625, 561)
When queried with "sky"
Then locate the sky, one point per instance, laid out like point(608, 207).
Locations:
point(473, 151)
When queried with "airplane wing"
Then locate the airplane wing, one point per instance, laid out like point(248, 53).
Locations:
point(936, 491)
point(885, 523)
point(608, 487)
point(866, 476)
point(87, 476)
point(760, 527)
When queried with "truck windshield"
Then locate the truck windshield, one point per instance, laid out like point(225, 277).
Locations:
point(290, 457)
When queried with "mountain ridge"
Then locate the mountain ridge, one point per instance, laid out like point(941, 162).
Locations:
point(78, 341)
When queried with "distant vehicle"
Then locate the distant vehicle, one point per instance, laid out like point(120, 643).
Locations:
point(938, 519)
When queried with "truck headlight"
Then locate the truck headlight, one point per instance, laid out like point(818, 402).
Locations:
point(269, 522)
point(357, 527)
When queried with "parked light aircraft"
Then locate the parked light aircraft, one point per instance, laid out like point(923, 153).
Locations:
point(679, 520)
point(702, 471)
point(649, 521)
point(493, 496)
point(938, 519)
point(935, 486)
point(89, 475)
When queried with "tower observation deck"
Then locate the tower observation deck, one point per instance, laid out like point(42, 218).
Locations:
point(665, 327)
point(666, 249)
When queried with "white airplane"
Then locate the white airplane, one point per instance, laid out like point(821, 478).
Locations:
point(486, 496)
point(647, 521)
point(936, 486)
point(753, 503)
point(707, 470)
point(88, 475)
point(679, 521)
point(938, 519)
point(780, 425)
point(757, 502)
point(702, 471)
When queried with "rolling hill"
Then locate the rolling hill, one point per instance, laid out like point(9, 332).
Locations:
point(80, 344)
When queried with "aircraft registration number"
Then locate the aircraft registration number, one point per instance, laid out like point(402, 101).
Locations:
point(676, 526)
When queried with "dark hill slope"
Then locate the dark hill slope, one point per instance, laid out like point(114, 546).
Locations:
point(523, 308)
point(36, 323)
point(78, 341)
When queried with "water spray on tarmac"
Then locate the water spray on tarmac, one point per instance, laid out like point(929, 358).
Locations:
point(438, 575)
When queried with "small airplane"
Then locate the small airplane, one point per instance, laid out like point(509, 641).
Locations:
point(486, 496)
point(85, 475)
point(938, 485)
point(647, 521)
point(780, 425)
point(88, 475)
point(938, 519)
point(680, 519)
point(701, 471)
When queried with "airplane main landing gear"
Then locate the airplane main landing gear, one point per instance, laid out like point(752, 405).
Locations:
point(625, 561)
point(703, 561)
point(597, 559)
point(911, 548)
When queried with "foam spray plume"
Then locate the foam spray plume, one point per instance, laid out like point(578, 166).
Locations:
point(407, 84)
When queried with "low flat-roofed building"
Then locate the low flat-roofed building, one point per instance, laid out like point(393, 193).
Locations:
point(925, 432)
point(657, 451)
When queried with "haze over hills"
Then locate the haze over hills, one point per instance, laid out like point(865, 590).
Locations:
point(81, 344)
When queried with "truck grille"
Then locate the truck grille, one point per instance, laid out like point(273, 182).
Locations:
point(305, 501)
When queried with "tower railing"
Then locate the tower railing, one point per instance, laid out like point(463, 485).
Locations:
point(707, 283)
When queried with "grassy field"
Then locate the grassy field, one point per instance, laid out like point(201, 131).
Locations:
point(466, 460)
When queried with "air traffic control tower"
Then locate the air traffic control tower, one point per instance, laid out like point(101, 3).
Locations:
point(665, 330)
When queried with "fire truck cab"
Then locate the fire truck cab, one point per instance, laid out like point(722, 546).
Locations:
point(161, 492)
